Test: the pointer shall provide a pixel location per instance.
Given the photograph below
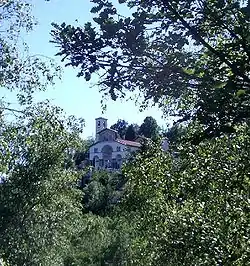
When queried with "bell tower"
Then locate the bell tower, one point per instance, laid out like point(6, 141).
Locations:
point(100, 124)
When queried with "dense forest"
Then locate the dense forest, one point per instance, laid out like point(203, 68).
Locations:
point(189, 205)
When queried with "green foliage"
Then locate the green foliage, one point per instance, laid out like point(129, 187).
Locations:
point(176, 133)
point(90, 242)
point(82, 153)
point(19, 70)
point(191, 58)
point(104, 236)
point(100, 241)
point(149, 128)
point(40, 207)
point(130, 133)
point(193, 210)
point(120, 126)
point(39, 204)
point(103, 192)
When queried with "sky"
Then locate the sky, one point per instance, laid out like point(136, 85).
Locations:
point(75, 95)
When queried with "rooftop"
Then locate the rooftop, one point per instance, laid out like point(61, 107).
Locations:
point(107, 129)
point(101, 118)
point(129, 142)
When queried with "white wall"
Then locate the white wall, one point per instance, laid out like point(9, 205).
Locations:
point(114, 146)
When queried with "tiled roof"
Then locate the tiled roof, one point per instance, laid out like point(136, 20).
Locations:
point(110, 129)
point(129, 143)
point(101, 118)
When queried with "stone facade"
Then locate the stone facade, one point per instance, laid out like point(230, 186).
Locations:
point(109, 150)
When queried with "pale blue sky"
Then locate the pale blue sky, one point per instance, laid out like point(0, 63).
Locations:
point(75, 95)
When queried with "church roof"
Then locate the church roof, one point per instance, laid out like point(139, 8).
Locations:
point(101, 118)
point(107, 129)
point(129, 142)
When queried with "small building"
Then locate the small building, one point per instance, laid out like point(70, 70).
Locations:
point(109, 151)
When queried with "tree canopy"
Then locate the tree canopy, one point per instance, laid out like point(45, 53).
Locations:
point(39, 204)
point(149, 128)
point(190, 210)
point(120, 126)
point(40, 207)
point(190, 57)
point(21, 71)
point(130, 133)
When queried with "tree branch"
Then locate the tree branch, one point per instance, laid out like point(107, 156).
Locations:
point(12, 110)
point(198, 38)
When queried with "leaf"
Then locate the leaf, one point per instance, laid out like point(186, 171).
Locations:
point(189, 71)
point(240, 93)
point(96, 9)
point(87, 76)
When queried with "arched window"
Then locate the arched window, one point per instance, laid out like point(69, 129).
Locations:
point(107, 155)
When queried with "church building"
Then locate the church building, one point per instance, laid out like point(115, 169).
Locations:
point(109, 150)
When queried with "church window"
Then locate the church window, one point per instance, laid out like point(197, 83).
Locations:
point(98, 123)
point(118, 148)
point(95, 150)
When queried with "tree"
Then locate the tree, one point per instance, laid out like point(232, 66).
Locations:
point(190, 210)
point(130, 133)
point(103, 192)
point(176, 133)
point(149, 128)
point(39, 204)
point(120, 126)
point(136, 128)
point(100, 241)
point(19, 70)
point(83, 152)
point(103, 237)
point(191, 58)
